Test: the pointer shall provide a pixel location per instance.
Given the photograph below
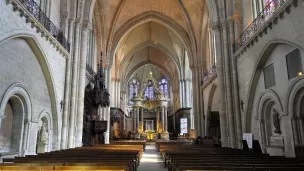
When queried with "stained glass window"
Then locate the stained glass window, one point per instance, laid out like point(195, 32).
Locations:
point(149, 91)
point(133, 89)
point(163, 86)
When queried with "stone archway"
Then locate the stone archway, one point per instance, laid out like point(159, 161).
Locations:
point(270, 118)
point(18, 99)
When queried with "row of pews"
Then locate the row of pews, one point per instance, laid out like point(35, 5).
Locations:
point(99, 158)
point(184, 157)
point(131, 142)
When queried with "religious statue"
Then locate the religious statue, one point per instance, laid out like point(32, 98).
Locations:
point(43, 135)
point(177, 104)
point(276, 122)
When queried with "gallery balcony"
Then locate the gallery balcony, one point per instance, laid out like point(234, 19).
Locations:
point(266, 19)
point(34, 15)
point(209, 77)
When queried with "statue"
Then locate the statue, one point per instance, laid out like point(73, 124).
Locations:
point(177, 105)
point(43, 135)
point(276, 122)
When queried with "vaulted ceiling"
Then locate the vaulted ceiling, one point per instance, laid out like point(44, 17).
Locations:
point(163, 33)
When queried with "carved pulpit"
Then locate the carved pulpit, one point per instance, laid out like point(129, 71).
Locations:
point(96, 95)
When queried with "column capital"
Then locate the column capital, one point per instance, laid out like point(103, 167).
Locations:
point(87, 25)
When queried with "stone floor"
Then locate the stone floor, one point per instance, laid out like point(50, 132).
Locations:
point(151, 160)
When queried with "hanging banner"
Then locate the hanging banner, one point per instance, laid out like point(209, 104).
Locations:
point(249, 139)
point(183, 125)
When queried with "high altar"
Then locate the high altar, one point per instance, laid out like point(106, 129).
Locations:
point(147, 129)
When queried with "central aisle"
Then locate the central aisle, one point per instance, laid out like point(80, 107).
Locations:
point(151, 160)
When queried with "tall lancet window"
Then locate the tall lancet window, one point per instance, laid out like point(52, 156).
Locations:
point(163, 86)
point(149, 91)
point(133, 89)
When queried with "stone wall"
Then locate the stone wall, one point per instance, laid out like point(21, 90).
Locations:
point(271, 47)
point(31, 60)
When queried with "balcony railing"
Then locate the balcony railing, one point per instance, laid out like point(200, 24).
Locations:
point(258, 22)
point(90, 73)
point(210, 75)
point(36, 11)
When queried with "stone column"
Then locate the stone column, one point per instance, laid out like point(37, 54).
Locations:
point(166, 118)
point(124, 100)
point(196, 102)
point(301, 125)
point(163, 118)
point(200, 100)
point(107, 109)
point(67, 89)
point(221, 87)
point(94, 52)
point(229, 98)
point(181, 94)
point(137, 118)
point(157, 119)
point(142, 118)
point(74, 85)
point(239, 136)
point(134, 119)
point(238, 25)
point(81, 85)
point(295, 130)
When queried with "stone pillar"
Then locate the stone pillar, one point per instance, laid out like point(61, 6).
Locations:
point(74, 86)
point(142, 118)
point(107, 110)
point(221, 86)
point(227, 72)
point(200, 100)
point(134, 119)
point(301, 125)
point(238, 25)
point(295, 130)
point(163, 118)
point(166, 118)
point(67, 90)
point(239, 136)
point(181, 94)
point(124, 100)
point(196, 99)
point(157, 119)
point(81, 85)
point(137, 118)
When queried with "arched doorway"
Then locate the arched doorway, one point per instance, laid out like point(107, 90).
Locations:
point(14, 134)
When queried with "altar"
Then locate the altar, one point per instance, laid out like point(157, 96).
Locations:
point(157, 106)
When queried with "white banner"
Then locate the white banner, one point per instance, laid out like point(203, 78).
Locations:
point(249, 138)
point(183, 125)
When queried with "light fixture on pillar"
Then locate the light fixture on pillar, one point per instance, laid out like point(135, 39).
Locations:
point(61, 105)
point(300, 73)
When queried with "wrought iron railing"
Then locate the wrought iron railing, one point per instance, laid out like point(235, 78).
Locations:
point(90, 73)
point(211, 74)
point(258, 22)
point(36, 11)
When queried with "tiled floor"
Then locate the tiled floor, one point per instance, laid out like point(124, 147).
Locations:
point(151, 160)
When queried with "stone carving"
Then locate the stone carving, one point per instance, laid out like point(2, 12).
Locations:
point(276, 122)
point(43, 135)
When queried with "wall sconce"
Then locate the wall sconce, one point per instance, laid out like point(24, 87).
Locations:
point(300, 73)
point(242, 105)
point(61, 105)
